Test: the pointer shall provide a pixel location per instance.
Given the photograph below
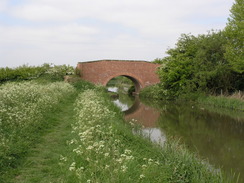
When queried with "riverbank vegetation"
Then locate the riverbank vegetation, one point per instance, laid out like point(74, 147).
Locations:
point(207, 64)
point(105, 149)
point(233, 101)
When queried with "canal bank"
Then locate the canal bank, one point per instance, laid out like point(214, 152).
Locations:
point(214, 134)
point(93, 143)
point(105, 148)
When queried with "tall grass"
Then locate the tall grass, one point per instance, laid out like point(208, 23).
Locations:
point(101, 148)
point(238, 95)
point(232, 102)
point(104, 149)
point(22, 108)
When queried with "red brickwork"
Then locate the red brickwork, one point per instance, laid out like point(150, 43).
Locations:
point(142, 73)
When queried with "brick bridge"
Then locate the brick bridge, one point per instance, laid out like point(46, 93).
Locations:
point(142, 73)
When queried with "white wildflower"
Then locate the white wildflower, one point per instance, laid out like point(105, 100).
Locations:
point(142, 176)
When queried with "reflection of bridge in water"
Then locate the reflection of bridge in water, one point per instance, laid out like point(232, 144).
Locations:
point(145, 115)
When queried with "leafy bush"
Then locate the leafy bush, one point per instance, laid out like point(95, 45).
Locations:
point(57, 72)
point(46, 71)
point(208, 63)
point(197, 64)
point(22, 73)
point(155, 92)
point(83, 85)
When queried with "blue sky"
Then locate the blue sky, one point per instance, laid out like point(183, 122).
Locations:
point(69, 31)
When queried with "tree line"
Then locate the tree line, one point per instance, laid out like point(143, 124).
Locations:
point(211, 63)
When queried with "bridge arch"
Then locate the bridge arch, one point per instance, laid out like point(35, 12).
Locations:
point(136, 81)
point(142, 73)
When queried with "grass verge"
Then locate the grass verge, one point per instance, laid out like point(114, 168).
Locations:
point(93, 144)
point(23, 110)
point(39, 149)
point(104, 149)
point(42, 162)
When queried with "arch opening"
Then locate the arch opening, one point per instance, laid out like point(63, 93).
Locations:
point(126, 81)
point(121, 89)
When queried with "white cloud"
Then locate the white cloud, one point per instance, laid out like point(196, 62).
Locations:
point(3, 5)
point(41, 13)
point(69, 33)
point(94, 29)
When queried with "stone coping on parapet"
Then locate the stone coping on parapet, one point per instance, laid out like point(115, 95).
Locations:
point(117, 61)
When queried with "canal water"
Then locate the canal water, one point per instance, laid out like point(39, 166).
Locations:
point(215, 134)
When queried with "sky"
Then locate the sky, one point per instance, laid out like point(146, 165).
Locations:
point(35, 32)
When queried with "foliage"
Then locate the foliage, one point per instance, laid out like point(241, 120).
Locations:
point(158, 61)
point(154, 91)
point(22, 73)
point(25, 72)
point(120, 81)
point(210, 63)
point(22, 107)
point(131, 90)
point(235, 34)
point(82, 85)
point(101, 148)
point(57, 72)
point(197, 64)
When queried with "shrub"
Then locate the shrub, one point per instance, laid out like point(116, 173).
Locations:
point(46, 71)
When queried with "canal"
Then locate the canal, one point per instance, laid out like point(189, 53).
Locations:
point(215, 135)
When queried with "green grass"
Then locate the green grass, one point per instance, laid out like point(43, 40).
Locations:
point(222, 101)
point(235, 101)
point(104, 149)
point(46, 142)
point(42, 163)
point(93, 143)
point(24, 109)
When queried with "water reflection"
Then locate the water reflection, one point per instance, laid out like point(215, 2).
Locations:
point(215, 135)
point(123, 101)
point(155, 135)
point(147, 117)
point(144, 115)
point(113, 89)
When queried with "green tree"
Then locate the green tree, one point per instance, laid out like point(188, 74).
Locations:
point(197, 64)
point(235, 35)
point(176, 71)
point(158, 61)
